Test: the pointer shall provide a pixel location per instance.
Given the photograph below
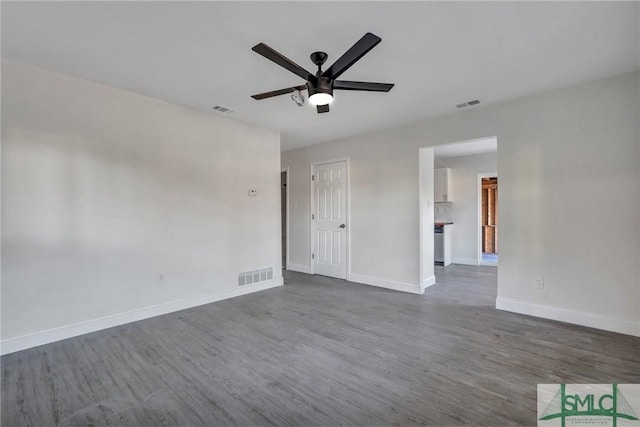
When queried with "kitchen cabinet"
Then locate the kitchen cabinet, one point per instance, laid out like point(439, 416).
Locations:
point(442, 184)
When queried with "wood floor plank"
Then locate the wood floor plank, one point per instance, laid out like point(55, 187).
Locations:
point(317, 352)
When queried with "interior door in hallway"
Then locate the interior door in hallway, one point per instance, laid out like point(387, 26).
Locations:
point(330, 219)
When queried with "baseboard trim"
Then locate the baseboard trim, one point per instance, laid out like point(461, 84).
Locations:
point(429, 281)
point(23, 342)
point(299, 268)
point(575, 317)
point(465, 261)
point(384, 283)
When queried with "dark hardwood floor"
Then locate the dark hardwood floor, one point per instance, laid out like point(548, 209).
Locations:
point(317, 352)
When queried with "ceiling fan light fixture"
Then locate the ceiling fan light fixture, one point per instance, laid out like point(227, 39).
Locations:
point(320, 91)
point(320, 86)
point(320, 98)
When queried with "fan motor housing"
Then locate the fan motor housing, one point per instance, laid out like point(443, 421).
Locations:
point(322, 85)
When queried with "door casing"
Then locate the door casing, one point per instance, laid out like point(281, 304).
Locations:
point(286, 230)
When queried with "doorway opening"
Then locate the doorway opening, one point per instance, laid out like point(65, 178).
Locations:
point(284, 193)
point(488, 215)
point(450, 203)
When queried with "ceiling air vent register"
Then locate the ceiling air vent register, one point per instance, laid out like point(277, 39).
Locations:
point(222, 109)
point(468, 103)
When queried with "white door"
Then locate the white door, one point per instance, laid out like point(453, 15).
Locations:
point(330, 219)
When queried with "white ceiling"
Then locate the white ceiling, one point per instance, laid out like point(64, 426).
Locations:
point(438, 54)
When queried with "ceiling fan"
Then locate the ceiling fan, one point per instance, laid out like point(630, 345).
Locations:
point(322, 84)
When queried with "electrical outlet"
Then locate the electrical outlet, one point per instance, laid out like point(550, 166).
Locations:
point(538, 282)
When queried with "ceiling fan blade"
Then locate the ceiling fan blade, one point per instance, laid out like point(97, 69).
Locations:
point(368, 86)
point(282, 61)
point(278, 92)
point(357, 51)
point(322, 108)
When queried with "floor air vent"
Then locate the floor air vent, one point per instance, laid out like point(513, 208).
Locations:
point(255, 276)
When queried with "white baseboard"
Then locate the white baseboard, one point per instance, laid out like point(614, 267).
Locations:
point(575, 317)
point(413, 288)
point(465, 261)
point(299, 268)
point(429, 281)
point(24, 342)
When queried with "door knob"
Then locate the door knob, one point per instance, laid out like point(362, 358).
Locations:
point(343, 225)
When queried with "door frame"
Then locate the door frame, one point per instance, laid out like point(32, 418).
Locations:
point(479, 194)
point(286, 237)
point(312, 234)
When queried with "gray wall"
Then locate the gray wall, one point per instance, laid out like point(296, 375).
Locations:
point(568, 161)
point(102, 190)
